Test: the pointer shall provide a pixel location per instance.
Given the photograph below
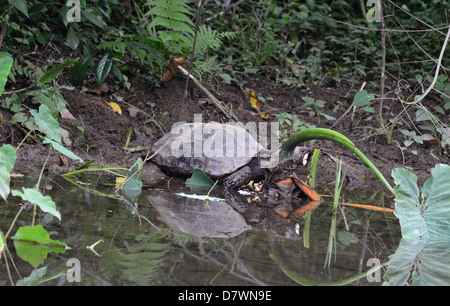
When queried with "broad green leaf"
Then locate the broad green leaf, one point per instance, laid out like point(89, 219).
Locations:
point(103, 68)
point(135, 183)
point(33, 196)
point(33, 244)
point(429, 215)
point(7, 160)
point(436, 193)
point(6, 62)
point(78, 72)
point(423, 256)
point(21, 5)
point(7, 156)
point(47, 123)
point(407, 206)
point(361, 98)
point(58, 147)
point(54, 72)
point(4, 183)
point(94, 19)
point(199, 182)
point(421, 263)
point(199, 178)
point(35, 276)
point(72, 39)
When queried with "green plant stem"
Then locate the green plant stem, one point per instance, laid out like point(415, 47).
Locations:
point(311, 183)
point(288, 147)
point(23, 140)
point(12, 223)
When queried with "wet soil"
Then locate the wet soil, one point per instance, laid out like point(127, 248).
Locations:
point(98, 133)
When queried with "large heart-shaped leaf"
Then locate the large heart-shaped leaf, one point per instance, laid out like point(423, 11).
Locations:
point(423, 256)
point(427, 216)
point(7, 160)
point(6, 62)
point(33, 196)
point(46, 122)
point(33, 244)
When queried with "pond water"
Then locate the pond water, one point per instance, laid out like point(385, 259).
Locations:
point(167, 243)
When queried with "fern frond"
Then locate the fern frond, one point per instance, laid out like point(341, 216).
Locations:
point(171, 6)
point(170, 24)
point(173, 15)
point(207, 38)
point(115, 45)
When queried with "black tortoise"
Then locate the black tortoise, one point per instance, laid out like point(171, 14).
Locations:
point(226, 152)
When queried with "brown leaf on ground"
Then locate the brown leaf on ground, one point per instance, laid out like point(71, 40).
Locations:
point(173, 69)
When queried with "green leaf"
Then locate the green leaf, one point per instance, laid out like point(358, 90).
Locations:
point(72, 39)
point(103, 68)
point(33, 196)
point(135, 183)
point(6, 62)
point(423, 256)
point(46, 122)
point(94, 19)
point(8, 157)
point(7, 160)
point(428, 216)
point(420, 263)
point(361, 98)
point(4, 183)
point(58, 147)
point(33, 244)
point(199, 182)
point(55, 72)
point(78, 72)
point(21, 5)
point(35, 276)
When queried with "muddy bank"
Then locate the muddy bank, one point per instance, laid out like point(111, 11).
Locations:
point(98, 133)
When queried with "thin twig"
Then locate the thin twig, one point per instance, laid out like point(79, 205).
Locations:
point(383, 60)
point(387, 30)
point(197, 23)
point(229, 114)
point(436, 74)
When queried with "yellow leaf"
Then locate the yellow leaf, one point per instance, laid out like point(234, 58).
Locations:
point(114, 106)
point(252, 98)
point(265, 116)
point(119, 181)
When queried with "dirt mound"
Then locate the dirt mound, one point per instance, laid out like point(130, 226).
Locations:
point(100, 134)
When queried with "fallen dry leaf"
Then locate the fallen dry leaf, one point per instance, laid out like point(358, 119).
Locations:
point(67, 115)
point(114, 106)
point(254, 102)
point(173, 69)
point(65, 137)
point(104, 88)
point(133, 111)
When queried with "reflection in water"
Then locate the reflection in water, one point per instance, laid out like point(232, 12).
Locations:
point(238, 245)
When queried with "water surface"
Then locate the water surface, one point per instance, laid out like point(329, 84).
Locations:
point(146, 249)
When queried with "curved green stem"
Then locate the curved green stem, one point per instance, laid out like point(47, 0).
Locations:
point(287, 150)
